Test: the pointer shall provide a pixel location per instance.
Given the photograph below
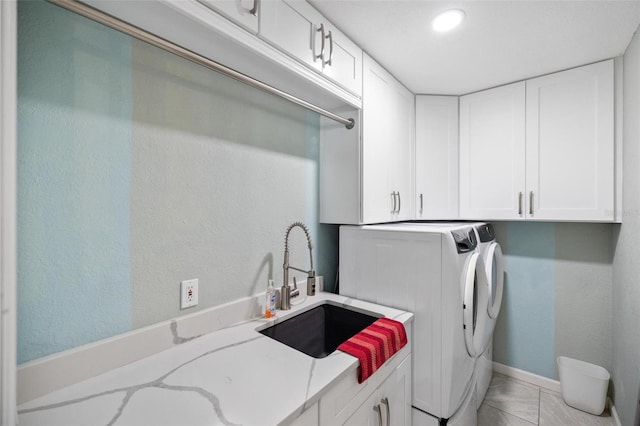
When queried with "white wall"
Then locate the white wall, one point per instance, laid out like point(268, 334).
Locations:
point(626, 265)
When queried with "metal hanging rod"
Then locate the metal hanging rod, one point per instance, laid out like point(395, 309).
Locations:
point(156, 41)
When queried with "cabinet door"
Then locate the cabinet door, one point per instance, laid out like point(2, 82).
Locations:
point(242, 12)
point(387, 146)
point(492, 153)
point(310, 417)
point(293, 26)
point(397, 392)
point(570, 144)
point(342, 60)
point(377, 201)
point(390, 404)
point(436, 159)
point(402, 140)
point(369, 414)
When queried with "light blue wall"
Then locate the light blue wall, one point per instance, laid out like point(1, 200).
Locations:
point(557, 297)
point(525, 335)
point(74, 170)
point(219, 172)
point(138, 169)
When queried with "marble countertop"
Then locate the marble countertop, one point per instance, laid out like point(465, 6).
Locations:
point(232, 376)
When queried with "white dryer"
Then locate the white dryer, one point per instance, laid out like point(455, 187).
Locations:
point(491, 253)
point(437, 273)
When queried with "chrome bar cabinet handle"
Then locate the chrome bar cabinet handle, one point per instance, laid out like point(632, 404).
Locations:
point(531, 203)
point(322, 37)
point(393, 202)
point(330, 37)
point(520, 203)
point(385, 401)
point(421, 203)
point(376, 408)
point(254, 9)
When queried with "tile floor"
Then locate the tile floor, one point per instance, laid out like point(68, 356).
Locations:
point(510, 402)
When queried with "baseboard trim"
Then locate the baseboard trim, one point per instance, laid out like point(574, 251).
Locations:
point(544, 382)
point(525, 376)
point(614, 412)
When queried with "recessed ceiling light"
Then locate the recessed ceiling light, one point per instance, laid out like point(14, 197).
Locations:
point(448, 20)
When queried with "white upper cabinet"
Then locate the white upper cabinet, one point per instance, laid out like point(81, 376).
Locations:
point(300, 30)
point(293, 27)
point(387, 146)
point(242, 12)
point(492, 153)
point(404, 140)
point(570, 144)
point(559, 166)
point(436, 159)
point(366, 174)
point(230, 32)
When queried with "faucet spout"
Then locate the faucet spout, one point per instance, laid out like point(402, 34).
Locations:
point(285, 292)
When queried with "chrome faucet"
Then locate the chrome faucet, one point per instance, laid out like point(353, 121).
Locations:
point(285, 292)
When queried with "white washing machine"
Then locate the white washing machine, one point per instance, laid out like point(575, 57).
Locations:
point(491, 253)
point(436, 273)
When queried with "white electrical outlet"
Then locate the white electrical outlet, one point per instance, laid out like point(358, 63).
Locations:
point(188, 293)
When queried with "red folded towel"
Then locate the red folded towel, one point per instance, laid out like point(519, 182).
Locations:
point(375, 344)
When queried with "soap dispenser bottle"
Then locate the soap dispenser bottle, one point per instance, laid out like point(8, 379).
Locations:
point(270, 306)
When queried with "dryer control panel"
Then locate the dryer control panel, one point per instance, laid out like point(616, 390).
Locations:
point(485, 232)
point(465, 240)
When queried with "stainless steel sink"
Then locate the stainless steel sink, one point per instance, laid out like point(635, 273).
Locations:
point(320, 330)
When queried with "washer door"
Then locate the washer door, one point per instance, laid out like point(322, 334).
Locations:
point(494, 267)
point(476, 297)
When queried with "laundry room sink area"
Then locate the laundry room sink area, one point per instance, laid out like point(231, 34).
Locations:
point(230, 361)
point(319, 331)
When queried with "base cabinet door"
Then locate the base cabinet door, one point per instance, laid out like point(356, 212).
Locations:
point(309, 418)
point(369, 414)
point(390, 404)
point(395, 396)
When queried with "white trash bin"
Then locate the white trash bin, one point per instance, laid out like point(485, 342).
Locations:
point(583, 385)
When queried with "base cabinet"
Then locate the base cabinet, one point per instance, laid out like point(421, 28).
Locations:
point(390, 404)
point(308, 418)
point(383, 399)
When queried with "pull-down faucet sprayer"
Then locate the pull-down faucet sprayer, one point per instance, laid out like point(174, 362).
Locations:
point(285, 291)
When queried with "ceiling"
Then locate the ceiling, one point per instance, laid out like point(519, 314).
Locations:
point(499, 42)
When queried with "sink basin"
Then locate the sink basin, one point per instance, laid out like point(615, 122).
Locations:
point(320, 330)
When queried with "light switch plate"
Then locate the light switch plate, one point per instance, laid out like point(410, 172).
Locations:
point(188, 293)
